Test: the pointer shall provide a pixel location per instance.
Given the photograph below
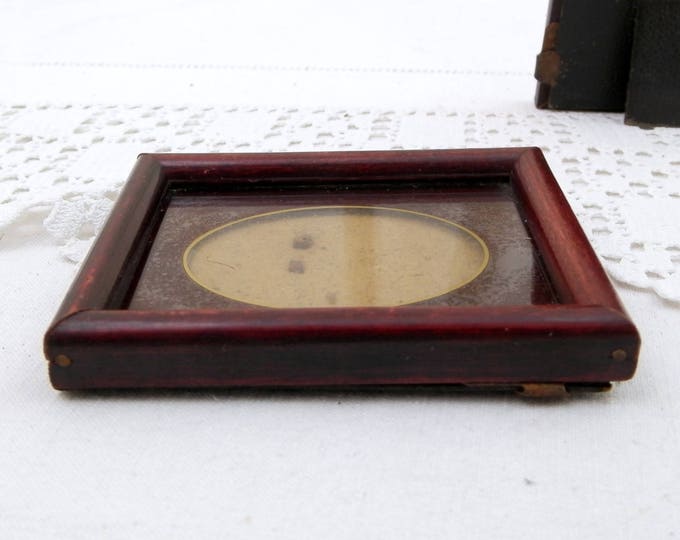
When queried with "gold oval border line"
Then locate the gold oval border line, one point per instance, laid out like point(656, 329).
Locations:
point(479, 239)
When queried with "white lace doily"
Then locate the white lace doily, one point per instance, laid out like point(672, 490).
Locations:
point(66, 164)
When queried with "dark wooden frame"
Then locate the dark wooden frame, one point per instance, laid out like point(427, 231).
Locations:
point(586, 339)
point(584, 62)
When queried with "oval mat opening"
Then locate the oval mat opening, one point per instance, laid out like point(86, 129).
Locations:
point(336, 256)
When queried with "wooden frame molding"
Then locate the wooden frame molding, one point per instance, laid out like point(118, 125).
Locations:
point(95, 342)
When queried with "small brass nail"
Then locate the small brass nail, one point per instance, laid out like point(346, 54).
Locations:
point(62, 360)
point(619, 355)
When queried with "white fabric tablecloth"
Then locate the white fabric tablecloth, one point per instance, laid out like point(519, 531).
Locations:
point(85, 87)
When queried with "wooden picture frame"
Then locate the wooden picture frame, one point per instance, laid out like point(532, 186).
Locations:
point(582, 339)
point(584, 62)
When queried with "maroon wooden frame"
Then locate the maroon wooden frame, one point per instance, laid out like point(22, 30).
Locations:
point(94, 342)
